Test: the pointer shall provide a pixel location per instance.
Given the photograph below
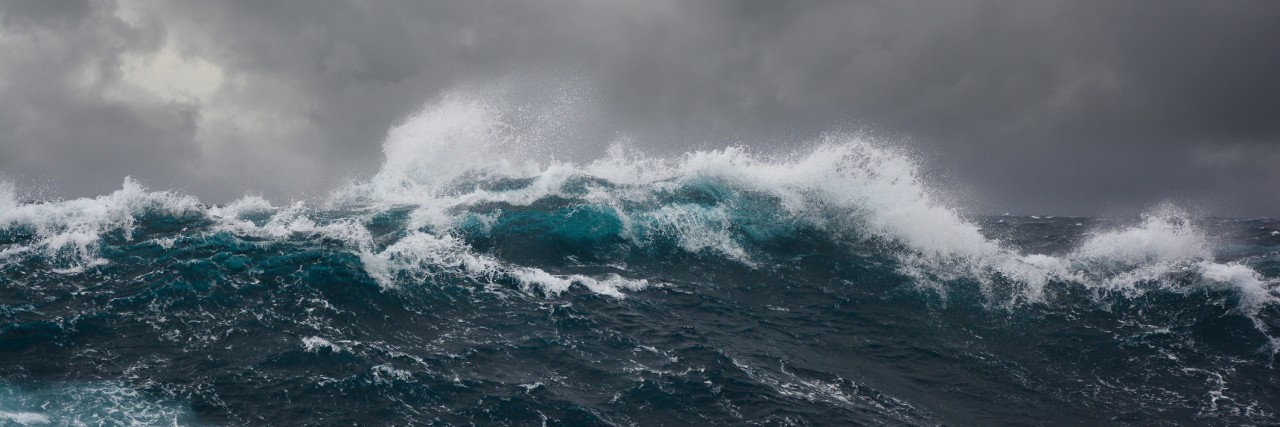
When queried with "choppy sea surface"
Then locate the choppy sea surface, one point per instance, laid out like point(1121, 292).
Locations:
point(466, 284)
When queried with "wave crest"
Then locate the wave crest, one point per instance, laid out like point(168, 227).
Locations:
point(463, 169)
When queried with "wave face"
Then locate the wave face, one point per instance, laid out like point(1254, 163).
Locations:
point(476, 279)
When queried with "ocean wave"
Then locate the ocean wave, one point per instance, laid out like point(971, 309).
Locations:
point(478, 263)
point(93, 403)
point(461, 172)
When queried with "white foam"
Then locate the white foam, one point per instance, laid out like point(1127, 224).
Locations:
point(386, 374)
point(242, 206)
point(423, 257)
point(1165, 245)
point(70, 230)
point(1254, 291)
point(845, 175)
point(695, 229)
point(1165, 235)
point(288, 222)
point(1154, 254)
point(847, 181)
point(25, 418)
point(845, 184)
point(315, 344)
point(88, 403)
point(461, 134)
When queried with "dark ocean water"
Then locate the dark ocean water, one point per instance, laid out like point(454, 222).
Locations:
point(824, 288)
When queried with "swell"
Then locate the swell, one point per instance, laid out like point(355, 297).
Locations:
point(842, 242)
point(459, 186)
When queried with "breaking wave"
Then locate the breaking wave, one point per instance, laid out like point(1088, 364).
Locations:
point(457, 172)
point(469, 198)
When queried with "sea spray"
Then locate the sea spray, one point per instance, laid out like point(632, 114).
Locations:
point(481, 277)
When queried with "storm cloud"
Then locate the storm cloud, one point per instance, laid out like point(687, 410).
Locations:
point(1034, 107)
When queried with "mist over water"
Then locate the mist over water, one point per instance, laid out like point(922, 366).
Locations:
point(485, 274)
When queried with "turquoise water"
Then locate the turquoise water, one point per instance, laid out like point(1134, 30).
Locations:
point(466, 283)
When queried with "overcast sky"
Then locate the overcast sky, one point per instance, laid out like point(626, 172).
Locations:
point(1081, 107)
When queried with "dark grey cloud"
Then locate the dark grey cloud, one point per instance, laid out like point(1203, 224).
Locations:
point(1063, 107)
